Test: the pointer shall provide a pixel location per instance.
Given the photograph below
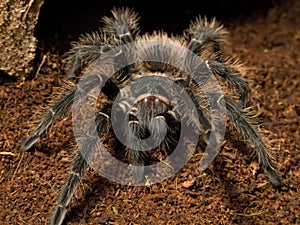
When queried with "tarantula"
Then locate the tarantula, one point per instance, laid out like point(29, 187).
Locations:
point(135, 74)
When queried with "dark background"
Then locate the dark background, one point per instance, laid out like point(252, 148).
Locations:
point(66, 20)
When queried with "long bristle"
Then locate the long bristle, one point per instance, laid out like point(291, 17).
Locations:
point(124, 15)
point(203, 25)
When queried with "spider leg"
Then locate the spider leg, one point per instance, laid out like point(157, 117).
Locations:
point(244, 124)
point(66, 194)
point(164, 125)
point(62, 106)
point(123, 25)
point(136, 151)
point(208, 129)
point(233, 78)
point(202, 123)
point(203, 33)
point(168, 120)
point(211, 132)
point(78, 168)
point(88, 49)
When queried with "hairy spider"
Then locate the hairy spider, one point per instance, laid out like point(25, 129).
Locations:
point(145, 82)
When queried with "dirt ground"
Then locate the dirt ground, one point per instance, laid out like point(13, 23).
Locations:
point(231, 191)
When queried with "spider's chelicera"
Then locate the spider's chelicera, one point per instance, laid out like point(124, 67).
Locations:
point(159, 95)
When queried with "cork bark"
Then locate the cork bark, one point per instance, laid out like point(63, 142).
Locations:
point(17, 39)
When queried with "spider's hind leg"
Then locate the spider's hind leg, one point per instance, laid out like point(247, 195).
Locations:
point(203, 33)
point(206, 39)
point(86, 50)
point(123, 28)
point(234, 79)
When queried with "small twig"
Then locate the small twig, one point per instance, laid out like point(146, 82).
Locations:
point(40, 66)
point(16, 170)
point(248, 215)
point(7, 153)
point(27, 9)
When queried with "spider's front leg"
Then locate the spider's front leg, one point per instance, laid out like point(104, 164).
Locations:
point(245, 125)
point(66, 194)
point(87, 147)
point(88, 142)
point(62, 106)
point(136, 152)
